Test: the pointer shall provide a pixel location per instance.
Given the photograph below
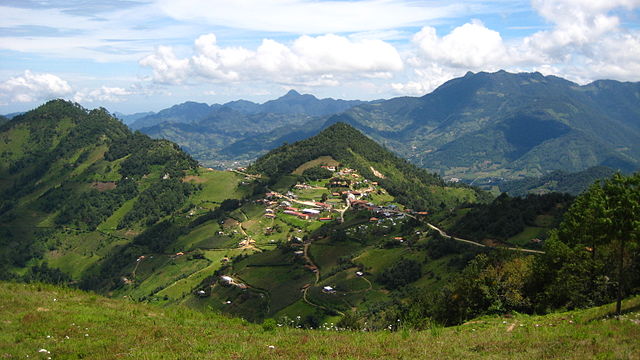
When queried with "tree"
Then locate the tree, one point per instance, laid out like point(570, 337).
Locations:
point(607, 218)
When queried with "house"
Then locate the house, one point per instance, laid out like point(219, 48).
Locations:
point(326, 218)
point(299, 252)
point(179, 253)
point(358, 203)
point(226, 279)
point(328, 290)
point(270, 215)
point(359, 273)
point(269, 211)
point(298, 214)
point(311, 211)
point(373, 219)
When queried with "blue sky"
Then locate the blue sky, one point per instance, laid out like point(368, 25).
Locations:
point(145, 55)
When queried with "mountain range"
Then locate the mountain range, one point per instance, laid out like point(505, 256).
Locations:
point(332, 228)
point(480, 126)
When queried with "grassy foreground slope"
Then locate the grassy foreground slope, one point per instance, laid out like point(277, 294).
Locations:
point(43, 321)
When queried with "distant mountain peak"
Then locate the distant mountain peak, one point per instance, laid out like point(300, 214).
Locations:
point(292, 93)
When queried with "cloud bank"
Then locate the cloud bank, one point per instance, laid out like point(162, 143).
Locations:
point(321, 60)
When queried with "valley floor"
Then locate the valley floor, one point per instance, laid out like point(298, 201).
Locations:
point(43, 321)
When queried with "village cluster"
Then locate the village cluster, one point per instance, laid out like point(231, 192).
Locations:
point(345, 187)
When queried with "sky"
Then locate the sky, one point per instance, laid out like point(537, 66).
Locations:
point(145, 55)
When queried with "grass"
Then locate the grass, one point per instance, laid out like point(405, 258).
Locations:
point(216, 186)
point(529, 232)
point(322, 160)
point(376, 260)
point(184, 286)
point(205, 234)
point(111, 223)
point(70, 324)
point(162, 274)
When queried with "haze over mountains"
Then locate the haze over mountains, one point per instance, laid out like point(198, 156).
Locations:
point(483, 125)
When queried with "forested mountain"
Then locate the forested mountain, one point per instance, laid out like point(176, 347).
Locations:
point(203, 138)
point(510, 125)
point(292, 103)
point(487, 126)
point(204, 130)
point(65, 170)
point(129, 119)
point(182, 113)
point(557, 181)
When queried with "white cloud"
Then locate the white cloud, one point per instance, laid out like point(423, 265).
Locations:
point(311, 16)
point(586, 42)
point(322, 60)
point(470, 46)
point(102, 94)
point(167, 68)
point(34, 87)
point(426, 79)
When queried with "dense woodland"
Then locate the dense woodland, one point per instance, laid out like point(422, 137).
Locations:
point(507, 216)
point(557, 181)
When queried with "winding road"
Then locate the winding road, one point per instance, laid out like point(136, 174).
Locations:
point(445, 235)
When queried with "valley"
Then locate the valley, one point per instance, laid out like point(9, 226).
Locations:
point(320, 179)
point(333, 231)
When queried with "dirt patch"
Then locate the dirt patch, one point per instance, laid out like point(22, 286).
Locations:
point(230, 223)
point(376, 172)
point(131, 233)
point(490, 242)
point(103, 185)
point(193, 178)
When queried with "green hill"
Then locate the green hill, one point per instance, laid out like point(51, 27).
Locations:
point(414, 187)
point(43, 321)
point(77, 185)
